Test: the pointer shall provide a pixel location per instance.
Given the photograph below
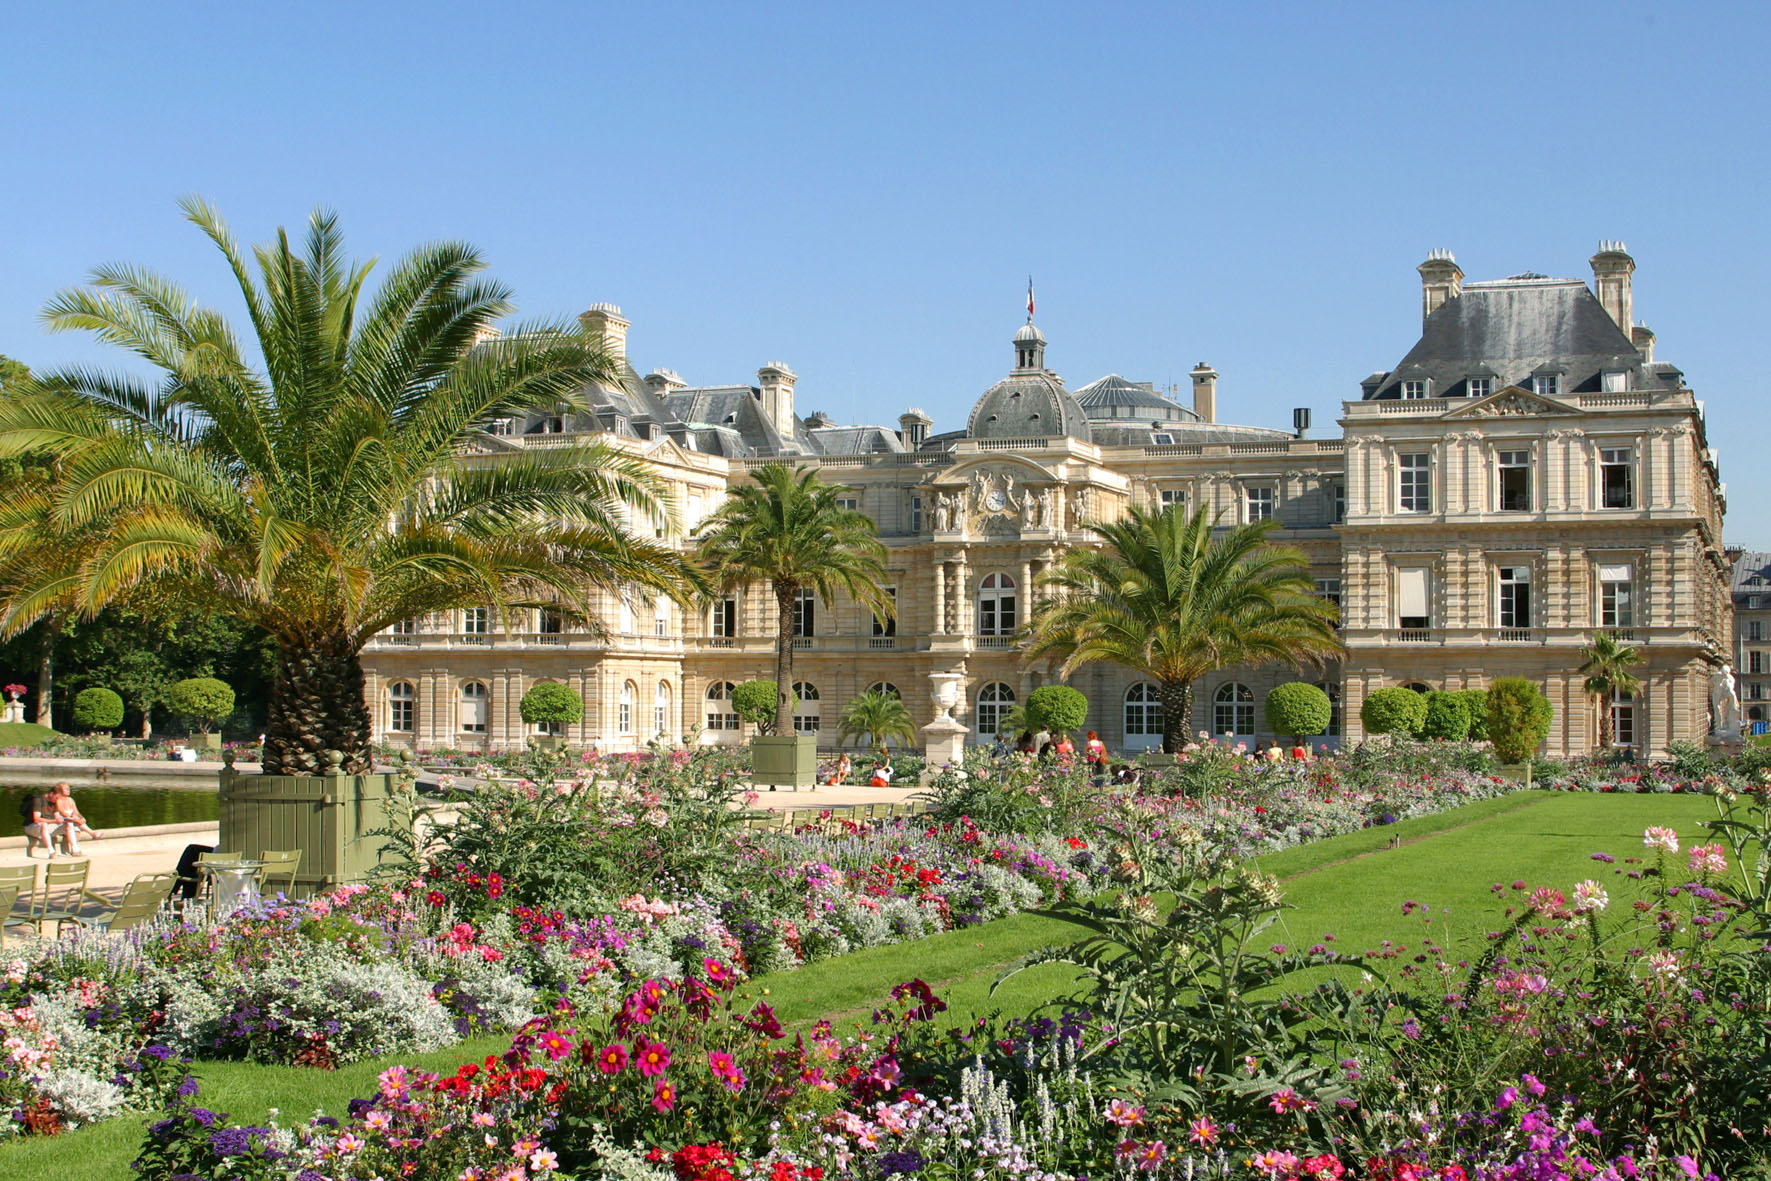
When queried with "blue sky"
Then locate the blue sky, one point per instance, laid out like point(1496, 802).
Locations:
point(862, 191)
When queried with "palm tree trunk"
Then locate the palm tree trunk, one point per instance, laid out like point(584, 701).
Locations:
point(317, 705)
point(1177, 714)
point(784, 600)
point(1604, 722)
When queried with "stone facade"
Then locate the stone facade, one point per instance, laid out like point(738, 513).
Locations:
point(1527, 475)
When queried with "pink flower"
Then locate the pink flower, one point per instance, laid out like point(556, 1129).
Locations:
point(1708, 859)
point(651, 1057)
point(612, 1059)
point(1151, 1155)
point(1659, 837)
point(1286, 1100)
point(1203, 1131)
point(557, 1047)
point(1276, 1164)
point(663, 1096)
point(1124, 1114)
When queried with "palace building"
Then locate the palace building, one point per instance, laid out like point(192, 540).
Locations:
point(1529, 473)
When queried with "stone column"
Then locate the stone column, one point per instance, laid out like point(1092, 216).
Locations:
point(940, 627)
point(962, 597)
point(1025, 591)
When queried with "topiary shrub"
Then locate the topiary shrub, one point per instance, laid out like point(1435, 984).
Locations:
point(551, 704)
point(1519, 717)
point(206, 701)
point(98, 709)
point(1394, 711)
point(1299, 709)
point(755, 702)
point(1057, 708)
point(1448, 716)
point(1476, 703)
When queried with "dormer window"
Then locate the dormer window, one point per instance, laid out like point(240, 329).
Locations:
point(1481, 387)
point(1546, 385)
point(1614, 381)
point(1162, 440)
point(1412, 390)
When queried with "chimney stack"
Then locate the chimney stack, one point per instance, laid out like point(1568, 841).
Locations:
point(777, 382)
point(1612, 267)
point(664, 382)
point(605, 320)
point(1205, 392)
point(1642, 337)
point(913, 427)
point(1441, 279)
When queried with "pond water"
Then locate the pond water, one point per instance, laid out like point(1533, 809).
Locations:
point(119, 807)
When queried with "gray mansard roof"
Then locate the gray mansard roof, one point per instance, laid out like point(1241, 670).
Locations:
point(1750, 566)
point(1510, 329)
point(1028, 404)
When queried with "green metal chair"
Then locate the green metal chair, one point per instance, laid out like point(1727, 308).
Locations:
point(279, 863)
point(142, 900)
point(70, 879)
point(9, 890)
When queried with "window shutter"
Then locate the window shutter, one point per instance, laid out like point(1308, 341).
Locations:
point(1412, 592)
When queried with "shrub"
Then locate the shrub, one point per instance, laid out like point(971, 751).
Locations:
point(1394, 711)
point(1299, 709)
point(1448, 716)
point(552, 704)
point(1057, 708)
point(1519, 718)
point(755, 701)
point(98, 709)
point(204, 700)
point(1476, 703)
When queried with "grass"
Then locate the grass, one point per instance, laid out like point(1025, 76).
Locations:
point(25, 734)
point(1352, 886)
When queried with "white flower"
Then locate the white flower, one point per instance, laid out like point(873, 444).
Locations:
point(1590, 896)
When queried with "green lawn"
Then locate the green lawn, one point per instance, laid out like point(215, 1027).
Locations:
point(25, 734)
point(1352, 886)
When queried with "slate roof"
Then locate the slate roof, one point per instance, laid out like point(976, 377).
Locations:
point(1748, 565)
point(855, 440)
point(1511, 328)
point(1133, 399)
point(1182, 434)
point(1027, 405)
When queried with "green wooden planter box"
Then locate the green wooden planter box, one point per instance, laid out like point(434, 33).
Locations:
point(325, 816)
point(208, 741)
point(784, 760)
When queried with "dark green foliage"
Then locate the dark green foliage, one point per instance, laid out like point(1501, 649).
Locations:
point(204, 700)
point(1394, 711)
point(1057, 708)
point(1447, 716)
point(1476, 705)
point(1519, 717)
point(97, 709)
point(551, 703)
point(1299, 709)
point(755, 702)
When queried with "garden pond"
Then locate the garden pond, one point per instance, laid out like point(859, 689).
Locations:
point(119, 807)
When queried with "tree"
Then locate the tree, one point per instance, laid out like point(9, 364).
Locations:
point(13, 374)
point(1299, 709)
point(879, 715)
point(786, 528)
point(1447, 716)
point(1519, 717)
point(205, 700)
point(551, 704)
point(1476, 705)
point(1608, 677)
point(1394, 710)
point(98, 709)
point(316, 486)
point(1173, 598)
point(1058, 708)
point(754, 701)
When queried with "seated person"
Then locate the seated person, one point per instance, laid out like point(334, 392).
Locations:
point(882, 773)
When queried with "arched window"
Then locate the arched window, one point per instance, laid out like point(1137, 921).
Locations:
point(661, 709)
point(806, 716)
point(1623, 720)
point(629, 691)
point(996, 606)
point(719, 707)
point(1232, 710)
point(472, 709)
point(886, 687)
point(1418, 686)
point(402, 707)
point(1143, 712)
point(995, 700)
point(1334, 707)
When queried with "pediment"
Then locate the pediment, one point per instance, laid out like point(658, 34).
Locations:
point(1512, 402)
point(992, 466)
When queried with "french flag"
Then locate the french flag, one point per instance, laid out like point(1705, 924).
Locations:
point(1029, 297)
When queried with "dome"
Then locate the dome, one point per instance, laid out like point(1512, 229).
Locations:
point(1029, 334)
point(1114, 397)
point(1027, 406)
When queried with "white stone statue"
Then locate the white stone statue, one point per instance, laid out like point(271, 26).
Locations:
point(1724, 705)
point(943, 512)
point(1045, 508)
point(1029, 510)
point(1079, 506)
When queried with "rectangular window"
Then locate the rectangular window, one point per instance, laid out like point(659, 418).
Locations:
point(626, 716)
point(501, 426)
point(1623, 721)
point(1546, 385)
point(1330, 589)
point(1415, 492)
point(890, 626)
point(405, 627)
point(661, 617)
point(1515, 596)
point(1515, 482)
point(1162, 439)
point(1260, 504)
point(1617, 596)
point(1412, 598)
point(549, 623)
point(1615, 382)
point(1616, 478)
point(1481, 387)
point(1755, 662)
point(852, 503)
point(1338, 498)
point(916, 514)
point(804, 612)
point(476, 621)
point(1755, 691)
point(1173, 496)
point(1755, 630)
point(400, 714)
point(1414, 389)
point(725, 618)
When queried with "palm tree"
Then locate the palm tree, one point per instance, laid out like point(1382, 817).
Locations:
point(879, 715)
point(787, 529)
point(1172, 598)
point(1607, 666)
point(314, 487)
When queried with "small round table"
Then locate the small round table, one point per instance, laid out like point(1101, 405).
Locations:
point(233, 885)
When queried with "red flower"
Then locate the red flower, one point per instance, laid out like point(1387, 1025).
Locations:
point(664, 1096)
point(651, 1057)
